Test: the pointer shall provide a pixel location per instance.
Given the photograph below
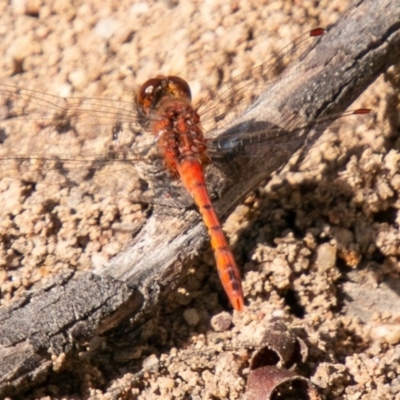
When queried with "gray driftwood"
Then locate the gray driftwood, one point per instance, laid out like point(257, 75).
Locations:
point(78, 308)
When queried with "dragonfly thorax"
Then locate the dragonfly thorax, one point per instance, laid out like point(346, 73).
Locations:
point(179, 134)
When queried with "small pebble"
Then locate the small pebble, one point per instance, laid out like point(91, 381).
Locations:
point(221, 322)
point(191, 316)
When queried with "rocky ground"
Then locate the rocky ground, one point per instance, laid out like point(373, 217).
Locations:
point(318, 246)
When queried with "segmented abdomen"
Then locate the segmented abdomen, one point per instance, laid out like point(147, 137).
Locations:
point(192, 176)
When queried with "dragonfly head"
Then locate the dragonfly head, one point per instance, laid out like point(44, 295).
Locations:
point(154, 90)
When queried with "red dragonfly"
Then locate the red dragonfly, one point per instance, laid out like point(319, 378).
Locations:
point(52, 133)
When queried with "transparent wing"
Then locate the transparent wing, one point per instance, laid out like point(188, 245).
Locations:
point(221, 107)
point(77, 136)
point(74, 138)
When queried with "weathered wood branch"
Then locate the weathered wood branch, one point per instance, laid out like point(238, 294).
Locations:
point(362, 45)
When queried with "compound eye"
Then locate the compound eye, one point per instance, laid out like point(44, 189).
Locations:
point(179, 87)
point(147, 94)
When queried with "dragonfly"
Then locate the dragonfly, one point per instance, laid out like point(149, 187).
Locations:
point(76, 136)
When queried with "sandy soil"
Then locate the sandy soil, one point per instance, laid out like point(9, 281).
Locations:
point(319, 247)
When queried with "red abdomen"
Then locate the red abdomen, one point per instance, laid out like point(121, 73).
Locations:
point(166, 101)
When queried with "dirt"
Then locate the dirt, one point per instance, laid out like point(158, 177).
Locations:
point(318, 246)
